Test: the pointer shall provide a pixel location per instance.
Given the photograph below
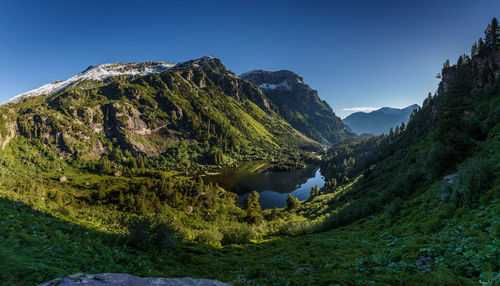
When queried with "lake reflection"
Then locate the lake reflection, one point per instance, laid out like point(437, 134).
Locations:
point(273, 187)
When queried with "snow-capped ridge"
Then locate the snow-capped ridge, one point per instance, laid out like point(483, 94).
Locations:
point(104, 71)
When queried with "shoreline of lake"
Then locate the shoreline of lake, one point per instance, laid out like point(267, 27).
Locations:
point(273, 186)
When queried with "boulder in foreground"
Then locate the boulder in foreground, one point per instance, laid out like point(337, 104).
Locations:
point(110, 279)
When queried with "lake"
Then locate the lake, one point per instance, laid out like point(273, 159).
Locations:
point(273, 187)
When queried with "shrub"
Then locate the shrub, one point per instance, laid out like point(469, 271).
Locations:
point(275, 214)
point(64, 211)
point(394, 207)
point(473, 178)
point(139, 233)
point(297, 226)
point(237, 234)
point(163, 236)
point(439, 159)
point(431, 225)
point(145, 234)
point(210, 237)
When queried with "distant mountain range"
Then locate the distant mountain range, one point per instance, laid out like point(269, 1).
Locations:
point(379, 121)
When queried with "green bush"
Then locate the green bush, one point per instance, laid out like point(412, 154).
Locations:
point(140, 233)
point(145, 234)
point(297, 227)
point(164, 237)
point(210, 237)
point(431, 225)
point(237, 234)
point(473, 178)
point(394, 207)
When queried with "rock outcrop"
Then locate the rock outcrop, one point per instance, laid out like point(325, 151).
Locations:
point(8, 127)
point(486, 68)
point(115, 279)
point(300, 105)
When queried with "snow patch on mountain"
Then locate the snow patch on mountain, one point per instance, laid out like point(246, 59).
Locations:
point(283, 85)
point(96, 73)
point(102, 72)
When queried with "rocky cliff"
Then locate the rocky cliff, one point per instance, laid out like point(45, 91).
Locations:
point(300, 105)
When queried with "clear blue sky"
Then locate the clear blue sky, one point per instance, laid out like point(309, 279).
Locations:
point(355, 53)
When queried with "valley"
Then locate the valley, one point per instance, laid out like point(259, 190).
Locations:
point(159, 169)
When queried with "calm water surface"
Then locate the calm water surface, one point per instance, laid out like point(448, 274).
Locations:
point(273, 187)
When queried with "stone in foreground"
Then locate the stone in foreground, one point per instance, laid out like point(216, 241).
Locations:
point(112, 279)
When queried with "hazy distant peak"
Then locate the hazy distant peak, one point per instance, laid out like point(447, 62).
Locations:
point(379, 121)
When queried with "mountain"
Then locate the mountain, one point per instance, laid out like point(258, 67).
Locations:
point(379, 121)
point(418, 206)
point(300, 105)
point(153, 109)
point(434, 183)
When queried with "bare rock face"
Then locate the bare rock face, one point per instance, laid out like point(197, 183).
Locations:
point(300, 105)
point(112, 279)
point(486, 65)
point(7, 129)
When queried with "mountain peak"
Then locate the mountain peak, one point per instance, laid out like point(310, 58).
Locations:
point(104, 71)
point(282, 79)
point(300, 105)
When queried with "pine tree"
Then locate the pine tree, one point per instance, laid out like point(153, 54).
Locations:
point(58, 198)
point(466, 58)
point(121, 198)
point(141, 162)
point(332, 184)
point(446, 64)
point(314, 191)
point(492, 34)
point(218, 157)
point(134, 163)
point(101, 194)
point(495, 31)
point(105, 166)
point(473, 50)
point(292, 202)
point(427, 101)
point(252, 206)
point(480, 46)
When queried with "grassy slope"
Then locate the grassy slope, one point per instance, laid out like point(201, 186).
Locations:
point(39, 247)
point(463, 242)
